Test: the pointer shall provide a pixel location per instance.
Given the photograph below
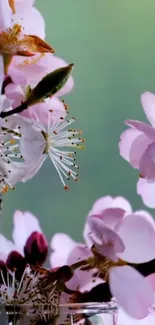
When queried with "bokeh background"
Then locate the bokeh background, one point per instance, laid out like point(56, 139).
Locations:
point(112, 44)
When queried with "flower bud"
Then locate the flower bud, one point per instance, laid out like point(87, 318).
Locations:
point(49, 85)
point(16, 262)
point(36, 249)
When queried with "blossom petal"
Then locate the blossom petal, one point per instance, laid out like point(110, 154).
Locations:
point(142, 127)
point(5, 15)
point(41, 111)
point(147, 163)
point(151, 280)
point(110, 210)
point(126, 141)
point(6, 246)
point(138, 148)
point(15, 93)
point(26, 18)
point(61, 245)
point(107, 202)
point(132, 231)
point(131, 290)
point(26, 71)
point(125, 319)
point(25, 224)
point(106, 241)
point(32, 144)
point(148, 103)
point(147, 191)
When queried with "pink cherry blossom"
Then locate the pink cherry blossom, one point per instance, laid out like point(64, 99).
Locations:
point(39, 141)
point(137, 146)
point(126, 241)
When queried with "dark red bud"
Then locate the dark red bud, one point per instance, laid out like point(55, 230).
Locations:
point(36, 249)
point(16, 261)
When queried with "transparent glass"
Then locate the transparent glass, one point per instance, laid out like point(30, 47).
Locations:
point(89, 313)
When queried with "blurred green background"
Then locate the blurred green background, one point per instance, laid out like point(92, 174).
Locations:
point(112, 44)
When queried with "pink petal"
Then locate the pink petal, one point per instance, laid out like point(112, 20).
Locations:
point(138, 148)
point(147, 163)
point(25, 71)
point(125, 319)
point(30, 19)
point(146, 216)
point(142, 127)
point(61, 245)
point(25, 224)
point(24, 2)
point(151, 280)
point(78, 253)
point(15, 93)
point(131, 290)
point(147, 192)
point(5, 15)
point(110, 210)
point(106, 241)
point(132, 231)
point(111, 216)
point(126, 141)
point(41, 110)
point(148, 103)
point(107, 202)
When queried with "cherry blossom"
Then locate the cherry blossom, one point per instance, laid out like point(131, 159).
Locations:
point(39, 141)
point(137, 146)
point(116, 236)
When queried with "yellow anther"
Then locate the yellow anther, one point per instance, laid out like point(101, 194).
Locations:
point(5, 189)
point(12, 141)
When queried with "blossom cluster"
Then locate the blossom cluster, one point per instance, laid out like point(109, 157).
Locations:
point(34, 121)
point(115, 264)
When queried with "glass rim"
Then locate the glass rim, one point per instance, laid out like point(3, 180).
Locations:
point(88, 308)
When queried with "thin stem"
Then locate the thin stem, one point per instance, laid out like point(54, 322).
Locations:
point(1, 204)
point(79, 264)
point(16, 110)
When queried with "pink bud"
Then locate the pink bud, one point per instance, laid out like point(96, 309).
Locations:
point(36, 249)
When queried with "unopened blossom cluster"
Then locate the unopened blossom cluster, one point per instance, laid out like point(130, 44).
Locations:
point(115, 263)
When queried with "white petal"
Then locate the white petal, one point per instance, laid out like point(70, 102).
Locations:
point(125, 319)
point(25, 224)
point(5, 15)
point(61, 245)
point(6, 246)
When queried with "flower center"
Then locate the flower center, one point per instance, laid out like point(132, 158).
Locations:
point(9, 40)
